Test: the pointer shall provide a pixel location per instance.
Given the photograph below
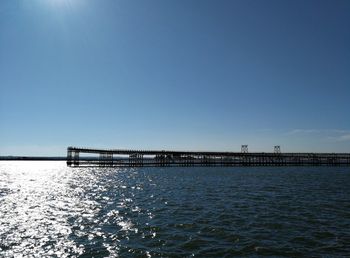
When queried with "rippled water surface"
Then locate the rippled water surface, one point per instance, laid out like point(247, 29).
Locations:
point(49, 210)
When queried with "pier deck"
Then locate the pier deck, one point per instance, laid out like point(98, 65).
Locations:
point(152, 158)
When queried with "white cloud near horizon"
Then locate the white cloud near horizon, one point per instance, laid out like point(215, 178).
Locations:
point(337, 135)
point(343, 138)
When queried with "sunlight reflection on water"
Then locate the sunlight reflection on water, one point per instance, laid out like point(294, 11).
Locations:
point(42, 203)
point(34, 210)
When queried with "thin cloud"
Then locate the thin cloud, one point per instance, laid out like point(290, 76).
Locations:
point(336, 135)
point(343, 138)
point(303, 131)
point(318, 131)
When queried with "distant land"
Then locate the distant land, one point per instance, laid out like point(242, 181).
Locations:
point(31, 158)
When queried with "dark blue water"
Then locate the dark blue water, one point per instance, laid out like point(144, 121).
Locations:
point(47, 209)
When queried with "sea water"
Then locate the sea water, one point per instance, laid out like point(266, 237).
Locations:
point(50, 210)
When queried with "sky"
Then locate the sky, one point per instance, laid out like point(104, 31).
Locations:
point(176, 74)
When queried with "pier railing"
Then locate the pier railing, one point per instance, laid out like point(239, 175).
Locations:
point(152, 158)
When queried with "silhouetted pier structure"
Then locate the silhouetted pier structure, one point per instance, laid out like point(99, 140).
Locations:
point(80, 157)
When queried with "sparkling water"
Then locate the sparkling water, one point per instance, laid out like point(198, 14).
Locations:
point(50, 210)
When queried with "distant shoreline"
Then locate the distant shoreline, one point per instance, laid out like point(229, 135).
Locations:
point(31, 158)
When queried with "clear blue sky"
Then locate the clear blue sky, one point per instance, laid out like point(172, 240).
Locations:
point(192, 75)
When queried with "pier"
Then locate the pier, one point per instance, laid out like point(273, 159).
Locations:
point(86, 157)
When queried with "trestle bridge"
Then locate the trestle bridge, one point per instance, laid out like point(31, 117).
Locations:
point(80, 157)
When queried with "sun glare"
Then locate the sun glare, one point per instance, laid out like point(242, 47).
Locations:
point(61, 3)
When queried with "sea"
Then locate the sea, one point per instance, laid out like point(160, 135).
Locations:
point(50, 210)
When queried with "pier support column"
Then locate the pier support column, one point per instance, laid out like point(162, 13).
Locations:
point(106, 159)
point(76, 158)
point(136, 160)
point(69, 156)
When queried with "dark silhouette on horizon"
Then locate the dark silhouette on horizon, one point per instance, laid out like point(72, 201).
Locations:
point(154, 158)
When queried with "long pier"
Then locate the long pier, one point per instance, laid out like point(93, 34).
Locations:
point(85, 157)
